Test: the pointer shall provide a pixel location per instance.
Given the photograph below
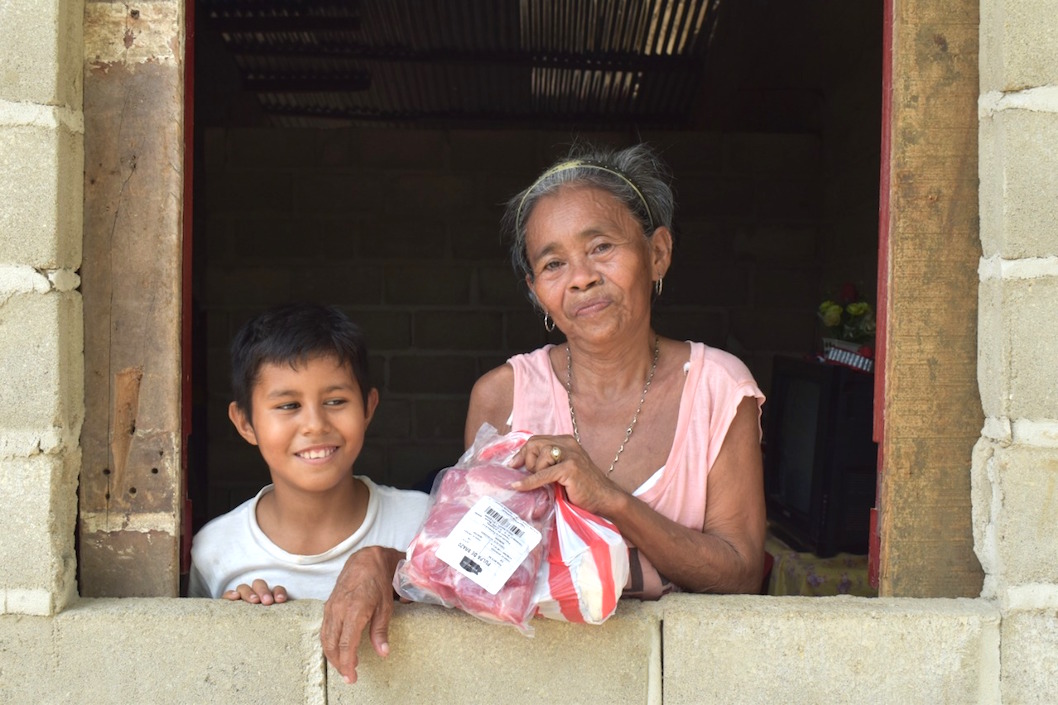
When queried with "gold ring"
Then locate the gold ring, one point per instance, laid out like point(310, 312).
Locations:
point(556, 454)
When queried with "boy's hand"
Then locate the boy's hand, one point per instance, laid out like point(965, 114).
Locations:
point(258, 593)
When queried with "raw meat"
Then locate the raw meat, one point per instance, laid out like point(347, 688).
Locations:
point(425, 577)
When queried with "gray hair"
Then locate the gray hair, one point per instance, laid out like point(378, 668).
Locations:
point(635, 176)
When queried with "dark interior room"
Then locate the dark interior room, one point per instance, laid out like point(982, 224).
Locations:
point(360, 154)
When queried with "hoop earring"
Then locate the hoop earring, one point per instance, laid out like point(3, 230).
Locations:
point(658, 286)
point(548, 319)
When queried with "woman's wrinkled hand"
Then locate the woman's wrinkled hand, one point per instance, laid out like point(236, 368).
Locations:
point(561, 459)
point(362, 599)
point(259, 593)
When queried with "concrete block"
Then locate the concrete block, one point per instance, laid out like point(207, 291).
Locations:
point(388, 329)
point(165, 651)
point(273, 237)
point(441, 656)
point(379, 371)
point(432, 374)
point(427, 284)
point(795, 199)
point(827, 650)
point(273, 149)
point(425, 193)
point(985, 501)
point(785, 156)
point(41, 195)
point(688, 153)
point(258, 191)
point(392, 419)
point(36, 534)
point(411, 464)
point(223, 497)
point(518, 153)
point(774, 329)
point(251, 287)
point(338, 192)
point(441, 418)
point(481, 239)
point(372, 462)
point(499, 286)
point(338, 283)
point(720, 283)
point(41, 52)
point(241, 461)
point(523, 330)
point(1019, 175)
point(1026, 522)
point(42, 394)
point(705, 240)
point(403, 238)
point(710, 196)
point(1030, 657)
point(458, 330)
point(1019, 47)
point(777, 286)
point(781, 242)
point(29, 677)
point(993, 349)
point(400, 149)
point(493, 191)
point(1018, 320)
point(709, 327)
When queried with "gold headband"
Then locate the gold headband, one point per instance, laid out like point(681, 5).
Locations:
point(575, 164)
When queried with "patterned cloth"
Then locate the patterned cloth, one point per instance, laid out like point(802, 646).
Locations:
point(807, 574)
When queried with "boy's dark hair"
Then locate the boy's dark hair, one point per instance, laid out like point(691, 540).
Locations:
point(292, 334)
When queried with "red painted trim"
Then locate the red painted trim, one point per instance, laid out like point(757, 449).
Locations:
point(185, 283)
point(884, 225)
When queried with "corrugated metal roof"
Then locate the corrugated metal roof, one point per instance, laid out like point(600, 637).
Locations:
point(477, 62)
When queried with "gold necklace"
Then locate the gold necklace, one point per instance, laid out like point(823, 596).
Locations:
point(635, 417)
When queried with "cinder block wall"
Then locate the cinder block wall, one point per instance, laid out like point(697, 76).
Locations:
point(41, 339)
point(401, 229)
point(882, 651)
point(717, 651)
point(1015, 468)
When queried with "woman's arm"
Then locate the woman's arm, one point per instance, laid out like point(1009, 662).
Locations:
point(726, 556)
point(362, 599)
point(491, 401)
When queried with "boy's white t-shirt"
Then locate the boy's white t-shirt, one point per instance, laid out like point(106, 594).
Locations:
point(232, 549)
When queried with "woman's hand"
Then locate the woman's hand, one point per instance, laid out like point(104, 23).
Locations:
point(258, 593)
point(561, 459)
point(361, 599)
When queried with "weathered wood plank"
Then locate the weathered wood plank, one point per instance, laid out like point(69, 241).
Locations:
point(129, 521)
point(932, 404)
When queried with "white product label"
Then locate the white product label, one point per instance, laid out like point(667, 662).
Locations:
point(488, 544)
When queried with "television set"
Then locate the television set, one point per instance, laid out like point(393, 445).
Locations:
point(820, 461)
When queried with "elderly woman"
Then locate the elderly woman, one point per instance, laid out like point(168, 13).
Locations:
point(660, 436)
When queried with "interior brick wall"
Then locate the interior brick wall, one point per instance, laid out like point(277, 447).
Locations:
point(400, 229)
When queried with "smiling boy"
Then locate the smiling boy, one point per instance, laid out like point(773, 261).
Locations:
point(302, 396)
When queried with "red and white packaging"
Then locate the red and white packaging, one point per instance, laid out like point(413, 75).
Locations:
point(586, 568)
point(482, 543)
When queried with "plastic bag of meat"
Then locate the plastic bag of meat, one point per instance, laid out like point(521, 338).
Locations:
point(586, 567)
point(482, 543)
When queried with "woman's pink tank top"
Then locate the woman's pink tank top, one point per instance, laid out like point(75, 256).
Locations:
point(715, 385)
